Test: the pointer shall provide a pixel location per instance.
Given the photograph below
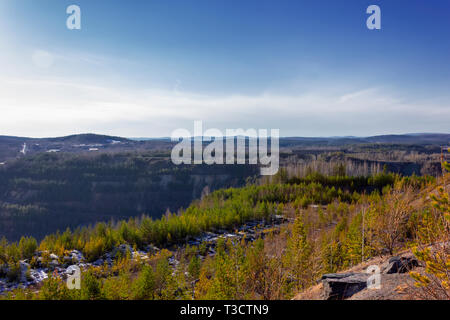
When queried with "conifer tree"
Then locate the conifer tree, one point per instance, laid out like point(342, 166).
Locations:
point(434, 246)
point(90, 286)
point(298, 256)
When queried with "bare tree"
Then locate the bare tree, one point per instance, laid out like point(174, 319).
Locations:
point(391, 216)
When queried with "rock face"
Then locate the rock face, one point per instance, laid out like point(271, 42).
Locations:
point(399, 265)
point(337, 286)
point(341, 286)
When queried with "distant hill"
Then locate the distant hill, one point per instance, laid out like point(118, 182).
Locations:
point(414, 138)
point(79, 138)
point(13, 147)
point(16, 147)
point(88, 138)
point(418, 138)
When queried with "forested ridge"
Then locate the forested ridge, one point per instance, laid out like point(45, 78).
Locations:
point(42, 193)
point(325, 236)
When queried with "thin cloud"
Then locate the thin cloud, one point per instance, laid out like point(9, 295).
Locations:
point(42, 107)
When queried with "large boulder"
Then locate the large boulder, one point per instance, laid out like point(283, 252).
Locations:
point(338, 286)
point(399, 265)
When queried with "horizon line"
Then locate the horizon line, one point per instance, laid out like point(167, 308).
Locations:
point(225, 136)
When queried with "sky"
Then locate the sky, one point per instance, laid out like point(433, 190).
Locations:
point(145, 68)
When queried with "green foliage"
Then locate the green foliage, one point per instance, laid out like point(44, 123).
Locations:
point(164, 282)
point(13, 274)
point(194, 267)
point(115, 288)
point(145, 284)
point(27, 247)
point(90, 286)
point(297, 258)
point(54, 288)
point(42, 193)
point(434, 229)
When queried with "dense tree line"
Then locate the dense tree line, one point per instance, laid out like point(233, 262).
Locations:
point(42, 193)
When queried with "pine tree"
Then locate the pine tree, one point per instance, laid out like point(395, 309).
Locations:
point(90, 287)
point(165, 283)
point(27, 247)
point(435, 231)
point(298, 256)
point(223, 285)
point(53, 288)
point(194, 268)
point(203, 286)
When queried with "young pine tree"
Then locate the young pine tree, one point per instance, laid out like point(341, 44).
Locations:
point(298, 257)
point(434, 248)
point(144, 285)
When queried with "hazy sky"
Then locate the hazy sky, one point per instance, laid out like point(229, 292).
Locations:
point(144, 68)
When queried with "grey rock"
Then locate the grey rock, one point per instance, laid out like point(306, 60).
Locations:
point(336, 275)
point(399, 265)
point(77, 256)
point(53, 256)
point(342, 286)
point(98, 262)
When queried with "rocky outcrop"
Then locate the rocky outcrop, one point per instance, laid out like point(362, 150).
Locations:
point(399, 265)
point(341, 286)
point(358, 284)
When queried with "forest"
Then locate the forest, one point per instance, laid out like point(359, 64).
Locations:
point(42, 192)
point(328, 215)
point(46, 192)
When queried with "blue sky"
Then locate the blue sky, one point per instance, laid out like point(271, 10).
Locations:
point(147, 67)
